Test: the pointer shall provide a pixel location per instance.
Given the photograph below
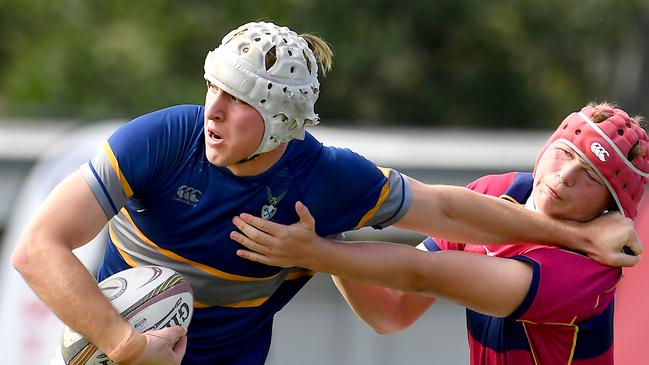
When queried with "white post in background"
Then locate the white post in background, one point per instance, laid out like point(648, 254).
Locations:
point(30, 332)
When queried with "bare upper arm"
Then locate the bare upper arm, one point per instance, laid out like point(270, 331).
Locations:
point(426, 209)
point(70, 215)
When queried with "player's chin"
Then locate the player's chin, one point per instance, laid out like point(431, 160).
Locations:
point(215, 158)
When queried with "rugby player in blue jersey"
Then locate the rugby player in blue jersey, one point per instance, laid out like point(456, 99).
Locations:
point(168, 184)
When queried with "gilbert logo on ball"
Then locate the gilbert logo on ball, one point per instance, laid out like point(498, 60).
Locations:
point(149, 297)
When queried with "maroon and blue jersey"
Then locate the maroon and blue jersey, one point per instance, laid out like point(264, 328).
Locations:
point(168, 205)
point(567, 314)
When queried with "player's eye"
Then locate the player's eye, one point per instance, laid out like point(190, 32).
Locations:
point(237, 100)
point(561, 152)
point(592, 175)
point(211, 87)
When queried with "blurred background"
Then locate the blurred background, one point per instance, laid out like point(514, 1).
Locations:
point(461, 63)
point(444, 91)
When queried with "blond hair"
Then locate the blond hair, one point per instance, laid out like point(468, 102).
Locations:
point(602, 113)
point(323, 53)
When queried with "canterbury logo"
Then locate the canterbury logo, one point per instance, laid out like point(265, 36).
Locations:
point(188, 195)
point(599, 151)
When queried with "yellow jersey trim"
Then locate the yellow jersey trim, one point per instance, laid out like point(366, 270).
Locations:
point(207, 269)
point(115, 164)
point(382, 197)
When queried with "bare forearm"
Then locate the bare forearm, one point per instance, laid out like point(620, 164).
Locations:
point(461, 215)
point(68, 289)
point(490, 284)
point(69, 218)
point(487, 284)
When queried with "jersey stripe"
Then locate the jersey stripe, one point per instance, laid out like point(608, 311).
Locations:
point(382, 197)
point(115, 164)
point(172, 255)
point(120, 247)
point(103, 187)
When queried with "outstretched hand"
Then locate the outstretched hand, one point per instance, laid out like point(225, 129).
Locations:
point(276, 244)
point(610, 236)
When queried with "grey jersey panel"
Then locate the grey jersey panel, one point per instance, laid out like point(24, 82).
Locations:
point(110, 194)
point(397, 203)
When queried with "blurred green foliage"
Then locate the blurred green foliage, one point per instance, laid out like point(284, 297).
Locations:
point(501, 63)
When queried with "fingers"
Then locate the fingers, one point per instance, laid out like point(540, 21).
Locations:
point(168, 334)
point(304, 214)
point(261, 224)
point(253, 232)
point(625, 260)
point(250, 244)
point(166, 346)
point(181, 347)
point(253, 256)
point(175, 332)
point(257, 226)
point(635, 245)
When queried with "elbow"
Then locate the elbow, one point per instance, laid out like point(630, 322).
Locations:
point(24, 257)
point(386, 329)
point(21, 257)
point(381, 331)
point(401, 320)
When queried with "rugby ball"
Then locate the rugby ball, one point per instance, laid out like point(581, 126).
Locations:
point(149, 297)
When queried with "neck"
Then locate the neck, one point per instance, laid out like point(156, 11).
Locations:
point(259, 164)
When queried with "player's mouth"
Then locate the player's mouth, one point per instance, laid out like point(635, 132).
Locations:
point(553, 193)
point(213, 138)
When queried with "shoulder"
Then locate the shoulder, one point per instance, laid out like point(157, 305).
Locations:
point(310, 154)
point(174, 115)
point(183, 120)
point(498, 184)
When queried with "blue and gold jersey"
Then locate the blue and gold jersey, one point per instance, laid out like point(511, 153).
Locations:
point(169, 206)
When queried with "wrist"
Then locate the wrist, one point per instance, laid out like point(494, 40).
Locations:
point(311, 258)
point(131, 347)
point(580, 241)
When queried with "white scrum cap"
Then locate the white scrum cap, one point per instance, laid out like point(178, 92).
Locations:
point(272, 69)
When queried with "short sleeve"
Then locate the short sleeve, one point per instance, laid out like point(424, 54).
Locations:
point(345, 191)
point(566, 287)
point(136, 155)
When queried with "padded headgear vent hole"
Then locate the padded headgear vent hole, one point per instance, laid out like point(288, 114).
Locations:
point(308, 61)
point(271, 58)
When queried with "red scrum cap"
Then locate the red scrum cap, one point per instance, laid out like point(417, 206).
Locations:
point(605, 146)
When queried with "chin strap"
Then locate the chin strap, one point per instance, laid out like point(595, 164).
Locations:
point(248, 159)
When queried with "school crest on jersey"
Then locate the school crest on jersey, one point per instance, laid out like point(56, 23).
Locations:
point(269, 210)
